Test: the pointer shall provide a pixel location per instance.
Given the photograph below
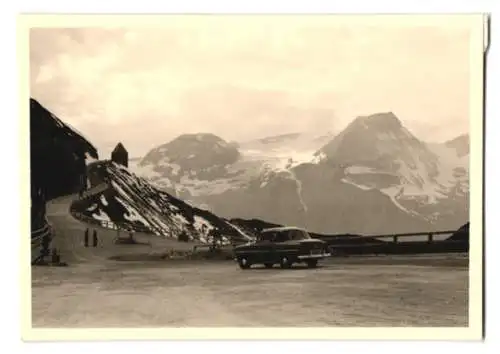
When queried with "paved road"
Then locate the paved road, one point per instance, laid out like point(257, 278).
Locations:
point(178, 293)
point(363, 291)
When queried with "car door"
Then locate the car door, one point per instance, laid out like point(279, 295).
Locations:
point(265, 248)
point(279, 245)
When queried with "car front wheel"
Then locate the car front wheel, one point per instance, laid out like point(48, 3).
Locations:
point(285, 262)
point(244, 263)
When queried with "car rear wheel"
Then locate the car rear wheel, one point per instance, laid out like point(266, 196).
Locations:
point(268, 265)
point(285, 262)
point(312, 263)
point(244, 263)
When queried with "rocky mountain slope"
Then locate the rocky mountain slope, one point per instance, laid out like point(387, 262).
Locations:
point(133, 203)
point(373, 177)
point(429, 181)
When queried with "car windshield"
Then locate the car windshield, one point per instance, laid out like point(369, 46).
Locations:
point(299, 235)
point(284, 235)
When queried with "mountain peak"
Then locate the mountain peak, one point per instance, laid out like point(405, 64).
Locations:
point(192, 152)
point(462, 138)
point(379, 138)
point(202, 137)
point(381, 121)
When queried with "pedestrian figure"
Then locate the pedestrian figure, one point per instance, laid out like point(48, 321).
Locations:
point(94, 236)
point(45, 247)
point(211, 239)
point(56, 259)
point(218, 238)
point(215, 234)
point(86, 238)
point(43, 251)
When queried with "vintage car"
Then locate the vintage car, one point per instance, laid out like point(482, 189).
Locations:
point(281, 245)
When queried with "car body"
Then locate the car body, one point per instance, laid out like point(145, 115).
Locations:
point(284, 246)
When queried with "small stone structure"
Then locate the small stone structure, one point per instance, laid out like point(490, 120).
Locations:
point(120, 155)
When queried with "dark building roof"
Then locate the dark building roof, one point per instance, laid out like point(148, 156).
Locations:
point(57, 159)
point(46, 129)
point(119, 148)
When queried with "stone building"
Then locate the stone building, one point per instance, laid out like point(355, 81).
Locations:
point(57, 162)
point(120, 155)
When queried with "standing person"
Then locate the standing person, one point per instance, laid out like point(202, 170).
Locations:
point(56, 259)
point(204, 231)
point(94, 236)
point(218, 237)
point(215, 238)
point(211, 234)
point(45, 248)
point(86, 237)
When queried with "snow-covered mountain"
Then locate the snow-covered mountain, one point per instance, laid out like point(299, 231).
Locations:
point(291, 143)
point(373, 177)
point(195, 165)
point(184, 165)
point(132, 202)
point(377, 152)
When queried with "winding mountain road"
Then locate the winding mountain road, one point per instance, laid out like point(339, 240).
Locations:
point(69, 238)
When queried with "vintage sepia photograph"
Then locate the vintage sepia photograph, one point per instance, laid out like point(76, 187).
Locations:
point(246, 171)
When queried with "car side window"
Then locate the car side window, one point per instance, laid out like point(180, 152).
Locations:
point(295, 235)
point(267, 236)
point(281, 237)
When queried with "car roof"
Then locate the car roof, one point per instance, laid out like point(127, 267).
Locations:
point(282, 228)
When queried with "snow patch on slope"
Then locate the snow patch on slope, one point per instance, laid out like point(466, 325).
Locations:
point(394, 193)
point(164, 215)
point(92, 207)
point(101, 216)
point(132, 213)
point(360, 186)
point(360, 169)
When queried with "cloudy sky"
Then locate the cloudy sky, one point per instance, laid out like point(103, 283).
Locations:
point(247, 77)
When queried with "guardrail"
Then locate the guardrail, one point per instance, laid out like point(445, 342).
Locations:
point(109, 224)
point(41, 231)
point(37, 238)
point(89, 220)
point(94, 190)
point(400, 243)
point(87, 194)
point(397, 246)
point(38, 235)
point(394, 237)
